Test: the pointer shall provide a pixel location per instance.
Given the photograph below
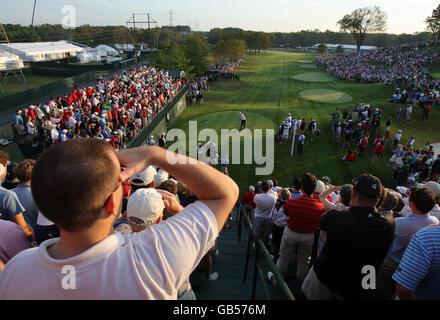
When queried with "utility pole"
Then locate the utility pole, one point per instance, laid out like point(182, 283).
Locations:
point(149, 22)
point(32, 23)
point(171, 13)
point(33, 14)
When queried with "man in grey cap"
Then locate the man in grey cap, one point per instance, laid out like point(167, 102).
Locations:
point(356, 238)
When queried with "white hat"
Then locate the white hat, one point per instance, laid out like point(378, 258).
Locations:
point(320, 187)
point(432, 186)
point(402, 190)
point(146, 205)
point(143, 178)
point(160, 177)
point(43, 221)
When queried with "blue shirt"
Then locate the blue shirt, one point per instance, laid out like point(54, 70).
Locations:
point(295, 194)
point(10, 206)
point(419, 270)
point(24, 195)
point(406, 227)
point(18, 120)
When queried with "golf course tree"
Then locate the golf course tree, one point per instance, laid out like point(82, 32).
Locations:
point(230, 50)
point(322, 49)
point(339, 50)
point(433, 24)
point(257, 41)
point(362, 22)
point(197, 50)
point(174, 58)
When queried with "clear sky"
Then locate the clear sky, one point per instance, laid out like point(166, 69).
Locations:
point(404, 16)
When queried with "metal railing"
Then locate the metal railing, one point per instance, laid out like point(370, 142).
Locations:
point(244, 223)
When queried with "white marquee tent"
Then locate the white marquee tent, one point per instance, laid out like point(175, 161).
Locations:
point(42, 51)
point(9, 61)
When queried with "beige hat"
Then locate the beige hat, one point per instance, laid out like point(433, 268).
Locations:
point(146, 205)
point(160, 177)
point(432, 186)
point(143, 178)
point(320, 187)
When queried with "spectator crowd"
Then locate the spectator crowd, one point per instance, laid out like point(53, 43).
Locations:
point(400, 65)
point(334, 234)
point(114, 110)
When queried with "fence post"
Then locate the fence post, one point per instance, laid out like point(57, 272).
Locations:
point(248, 252)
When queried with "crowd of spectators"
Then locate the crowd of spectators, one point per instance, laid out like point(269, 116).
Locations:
point(114, 110)
point(335, 233)
point(400, 65)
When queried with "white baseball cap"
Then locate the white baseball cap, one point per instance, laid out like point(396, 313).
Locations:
point(320, 187)
point(143, 178)
point(402, 190)
point(432, 186)
point(160, 177)
point(146, 205)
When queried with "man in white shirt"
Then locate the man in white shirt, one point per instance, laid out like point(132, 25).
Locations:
point(264, 204)
point(243, 120)
point(90, 261)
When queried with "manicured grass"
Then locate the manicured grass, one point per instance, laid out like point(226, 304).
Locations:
point(325, 96)
point(308, 66)
point(313, 77)
point(267, 89)
point(14, 85)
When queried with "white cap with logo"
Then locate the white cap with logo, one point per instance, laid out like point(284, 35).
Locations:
point(146, 205)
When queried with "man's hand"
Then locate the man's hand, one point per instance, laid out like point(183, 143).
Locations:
point(133, 160)
point(170, 201)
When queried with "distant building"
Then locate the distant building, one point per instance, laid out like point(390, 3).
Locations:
point(345, 47)
point(9, 61)
point(42, 51)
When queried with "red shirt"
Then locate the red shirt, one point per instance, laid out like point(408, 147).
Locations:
point(380, 148)
point(304, 214)
point(351, 157)
point(248, 198)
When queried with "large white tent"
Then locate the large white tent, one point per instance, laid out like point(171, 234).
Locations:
point(9, 61)
point(42, 51)
point(104, 50)
point(345, 47)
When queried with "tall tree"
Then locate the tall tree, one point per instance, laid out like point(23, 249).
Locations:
point(196, 49)
point(362, 22)
point(174, 58)
point(322, 48)
point(433, 24)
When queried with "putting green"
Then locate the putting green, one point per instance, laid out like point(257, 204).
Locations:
point(325, 96)
point(308, 66)
point(436, 75)
point(305, 61)
point(313, 77)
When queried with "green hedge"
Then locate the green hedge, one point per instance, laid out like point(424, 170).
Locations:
point(12, 101)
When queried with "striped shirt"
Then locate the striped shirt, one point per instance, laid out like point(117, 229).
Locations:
point(304, 214)
point(419, 269)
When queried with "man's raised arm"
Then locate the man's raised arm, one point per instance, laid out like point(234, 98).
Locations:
point(216, 190)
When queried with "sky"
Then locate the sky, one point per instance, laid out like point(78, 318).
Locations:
point(404, 16)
